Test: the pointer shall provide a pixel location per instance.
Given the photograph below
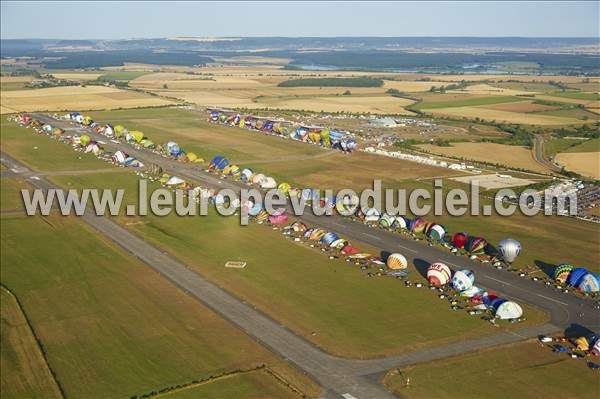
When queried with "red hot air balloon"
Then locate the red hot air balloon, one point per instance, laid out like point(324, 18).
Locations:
point(460, 239)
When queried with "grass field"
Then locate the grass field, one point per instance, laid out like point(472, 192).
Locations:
point(25, 373)
point(470, 102)
point(77, 76)
point(503, 154)
point(110, 326)
point(352, 316)
point(577, 95)
point(524, 370)
point(584, 163)
point(253, 385)
point(42, 153)
point(592, 145)
point(75, 97)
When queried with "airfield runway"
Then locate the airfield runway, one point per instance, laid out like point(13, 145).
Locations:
point(338, 376)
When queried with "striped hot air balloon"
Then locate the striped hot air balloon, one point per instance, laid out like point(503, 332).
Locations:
point(386, 220)
point(329, 238)
point(262, 216)
point(562, 272)
point(475, 245)
point(396, 261)
point(438, 274)
point(417, 225)
point(509, 249)
point(298, 226)
point(247, 174)
point(435, 231)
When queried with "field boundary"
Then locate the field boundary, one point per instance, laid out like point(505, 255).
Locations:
point(214, 378)
point(40, 346)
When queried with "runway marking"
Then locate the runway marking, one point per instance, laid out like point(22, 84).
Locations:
point(373, 236)
point(552, 299)
point(348, 396)
point(408, 249)
point(500, 281)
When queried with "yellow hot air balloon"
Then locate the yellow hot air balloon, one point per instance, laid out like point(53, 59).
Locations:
point(284, 187)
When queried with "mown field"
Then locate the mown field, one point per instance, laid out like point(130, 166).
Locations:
point(584, 163)
point(523, 370)
point(25, 372)
point(69, 98)
point(111, 327)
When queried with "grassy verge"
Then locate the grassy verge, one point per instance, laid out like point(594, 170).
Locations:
point(524, 370)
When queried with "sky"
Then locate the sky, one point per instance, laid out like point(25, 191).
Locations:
point(153, 19)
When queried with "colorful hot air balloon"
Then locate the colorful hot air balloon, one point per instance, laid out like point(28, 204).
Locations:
point(509, 249)
point(438, 274)
point(417, 225)
point(562, 272)
point(435, 231)
point(589, 283)
point(317, 234)
point(576, 275)
point(460, 239)
point(329, 238)
point(386, 220)
point(396, 261)
point(463, 280)
point(298, 226)
point(347, 205)
point(475, 245)
point(172, 147)
point(371, 214)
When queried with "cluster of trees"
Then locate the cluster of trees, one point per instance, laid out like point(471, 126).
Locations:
point(452, 86)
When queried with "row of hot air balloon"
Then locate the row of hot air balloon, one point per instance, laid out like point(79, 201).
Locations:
point(222, 165)
point(134, 137)
point(579, 278)
point(439, 274)
point(323, 136)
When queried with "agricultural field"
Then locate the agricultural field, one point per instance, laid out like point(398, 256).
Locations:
point(25, 372)
point(76, 76)
point(75, 97)
point(523, 370)
point(9, 83)
point(585, 163)
point(146, 335)
point(502, 154)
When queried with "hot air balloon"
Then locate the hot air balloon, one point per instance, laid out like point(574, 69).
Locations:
point(562, 272)
point(589, 283)
point(508, 310)
point(234, 171)
point(118, 129)
point(317, 234)
point(84, 140)
point(463, 280)
point(438, 274)
point(475, 245)
point(401, 223)
point(386, 220)
point(460, 239)
point(262, 216)
point(347, 205)
point(258, 179)
point(278, 219)
point(339, 243)
point(172, 148)
point(576, 275)
point(417, 225)
point(298, 226)
point(396, 261)
point(435, 231)
point(371, 214)
point(247, 174)
point(284, 187)
point(268, 183)
point(509, 249)
point(329, 238)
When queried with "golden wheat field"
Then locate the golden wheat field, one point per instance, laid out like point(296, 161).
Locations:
point(504, 116)
point(584, 163)
point(503, 154)
point(487, 89)
point(75, 97)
